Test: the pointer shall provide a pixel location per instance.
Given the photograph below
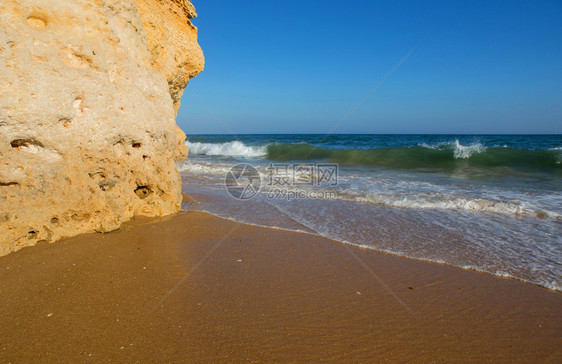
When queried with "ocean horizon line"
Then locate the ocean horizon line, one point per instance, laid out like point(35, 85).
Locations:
point(430, 134)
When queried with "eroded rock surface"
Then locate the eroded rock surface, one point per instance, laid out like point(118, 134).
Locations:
point(89, 90)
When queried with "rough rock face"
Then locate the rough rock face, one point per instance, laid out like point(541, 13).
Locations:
point(89, 90)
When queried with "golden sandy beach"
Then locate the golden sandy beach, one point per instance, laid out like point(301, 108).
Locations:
point(194, 287)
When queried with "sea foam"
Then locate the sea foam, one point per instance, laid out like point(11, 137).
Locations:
point(459, 151)
point(234, 149)
point(465, 151)
point(512, 208)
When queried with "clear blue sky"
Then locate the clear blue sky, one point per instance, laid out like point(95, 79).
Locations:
point(300, 66)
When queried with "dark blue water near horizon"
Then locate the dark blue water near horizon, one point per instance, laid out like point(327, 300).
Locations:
point(367, 141)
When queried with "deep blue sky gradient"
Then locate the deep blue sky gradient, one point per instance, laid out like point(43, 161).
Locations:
point(300, 66)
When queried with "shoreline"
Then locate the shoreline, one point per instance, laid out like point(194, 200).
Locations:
point(174, 288)
point(370, 248)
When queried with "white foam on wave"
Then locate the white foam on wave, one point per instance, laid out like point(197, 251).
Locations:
point(459, 151)
point(198, 168)
point(433, 146)
point(234, 149)
point(465, 151)
point(512, 208)
point(559, 156)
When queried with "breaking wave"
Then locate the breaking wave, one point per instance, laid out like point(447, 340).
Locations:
point(512, 208)
point(445, 157)
point(228, 149)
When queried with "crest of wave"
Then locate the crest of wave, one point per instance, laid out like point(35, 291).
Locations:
point(465, 151)
point(459, 151)
point(234, 148)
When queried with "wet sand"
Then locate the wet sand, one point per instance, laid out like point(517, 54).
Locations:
point(194, 287)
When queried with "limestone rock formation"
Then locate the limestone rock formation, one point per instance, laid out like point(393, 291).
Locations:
point(89, 90)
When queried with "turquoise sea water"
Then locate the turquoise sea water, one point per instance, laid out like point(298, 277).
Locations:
point(486, 202)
